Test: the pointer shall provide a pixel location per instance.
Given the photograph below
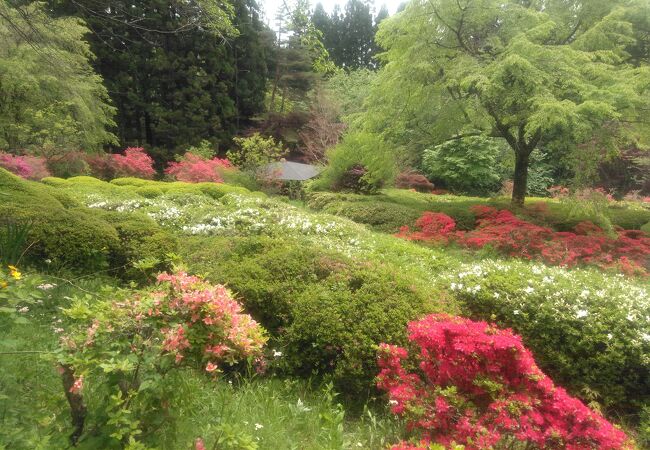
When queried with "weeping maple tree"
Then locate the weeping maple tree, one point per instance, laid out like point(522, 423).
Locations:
point(539, 73)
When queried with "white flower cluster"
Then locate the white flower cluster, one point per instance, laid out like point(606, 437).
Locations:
point(614, 306)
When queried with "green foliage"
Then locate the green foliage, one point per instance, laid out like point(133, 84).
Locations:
point(326, 312)
point(550, 76)
point(53, 102)
point(381, 216)
point(359, 149)
point(73, 237)
point(350, 89)
point(646, 228)
point(254, 152)
point(587, 330)
point(140, 240)
point(204, 149)
point(467, 165)
point(13, 241)
point(174, 81)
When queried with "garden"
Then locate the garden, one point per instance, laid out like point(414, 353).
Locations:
point(466, 266)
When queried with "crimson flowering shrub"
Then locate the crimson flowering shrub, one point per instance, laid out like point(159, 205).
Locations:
point(138, 341)
point(433, 226)
point(101, 165)
point(133, 163)
point(196, 169)
point(478, 386)
point(29, 167)
point(588, 244)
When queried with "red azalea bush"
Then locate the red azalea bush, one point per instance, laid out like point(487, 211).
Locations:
point(29, 167)
point(629, 251)
point(101, 165)
point(478, 386)
point(196, 169)
point(133, 163)
point(411, 179)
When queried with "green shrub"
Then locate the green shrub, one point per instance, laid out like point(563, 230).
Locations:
point(382, 216)
point(149, 191)
point(129, 181)
point(78, 238)
point(629, 218)
point(359, 149)
point(140, 239)
point(54, 181)
point(469, 165)
point(589, 331)
point(326, 312)
point(646, 228)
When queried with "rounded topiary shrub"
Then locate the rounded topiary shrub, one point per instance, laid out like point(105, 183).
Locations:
point(588, 330)
point(382, 216)
point(140, 240)
point(326, 312)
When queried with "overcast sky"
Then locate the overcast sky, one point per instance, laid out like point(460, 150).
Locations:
point(270, 7)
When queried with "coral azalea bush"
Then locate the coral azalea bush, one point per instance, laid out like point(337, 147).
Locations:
point(135, 162)
point(629, 251)
point(141, 340)
point(478, 386)
point(196, 169)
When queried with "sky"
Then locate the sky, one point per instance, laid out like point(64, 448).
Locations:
point(270, 7)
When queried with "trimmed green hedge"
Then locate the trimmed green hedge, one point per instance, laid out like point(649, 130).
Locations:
point(326, 312)
point(65, 235)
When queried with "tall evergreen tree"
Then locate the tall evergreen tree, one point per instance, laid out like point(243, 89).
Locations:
point(178, 71)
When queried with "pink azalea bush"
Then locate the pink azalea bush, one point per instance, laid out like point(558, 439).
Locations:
point(196, 169)
point(182, 322)
point(29, 167)
point(135, 162)
point(478, 386)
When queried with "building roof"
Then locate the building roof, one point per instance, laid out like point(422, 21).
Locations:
point(291, 171)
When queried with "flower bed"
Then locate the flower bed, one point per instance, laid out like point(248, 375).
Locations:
point(628, 251)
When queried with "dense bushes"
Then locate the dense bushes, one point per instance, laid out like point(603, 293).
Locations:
point(382, 216)
point(589, 331)
point(501, 230)
point(195, 169)
point(478, 386)
point(29, 167)
point(326, 312)
point(62, 234)
point(141, 241)
point(362, 157)
point(467, 165)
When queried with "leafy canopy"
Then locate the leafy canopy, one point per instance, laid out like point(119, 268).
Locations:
point(51, 99)
point(539, 72)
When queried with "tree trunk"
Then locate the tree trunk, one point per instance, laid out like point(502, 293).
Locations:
point(520, 181)
point(75, 400)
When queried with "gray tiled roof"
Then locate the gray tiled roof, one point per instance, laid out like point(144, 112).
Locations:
point(290, 171)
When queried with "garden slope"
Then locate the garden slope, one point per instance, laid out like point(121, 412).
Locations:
point(329, 289)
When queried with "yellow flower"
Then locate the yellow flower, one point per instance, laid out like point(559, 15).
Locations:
point(13, 270)
point(3, 284)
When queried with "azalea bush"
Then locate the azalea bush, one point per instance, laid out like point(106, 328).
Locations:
point(135, 162)
point(628, 251)
point(478, 386)
point(29, 167)
point(125, 348)
point(590, 331)
point(194, 168)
